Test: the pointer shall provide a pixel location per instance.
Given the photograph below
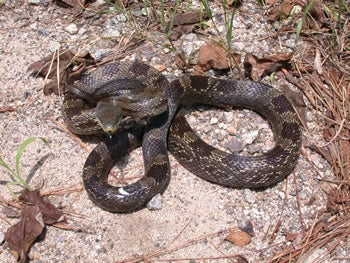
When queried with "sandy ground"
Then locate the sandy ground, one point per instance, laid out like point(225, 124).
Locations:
point(192, 208)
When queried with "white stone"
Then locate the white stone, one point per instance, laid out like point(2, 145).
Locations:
point(214, 120)
point(72, 29)
point(250, 137)
point(156, 203)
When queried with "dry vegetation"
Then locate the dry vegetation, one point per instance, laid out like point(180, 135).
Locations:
point(321, 70)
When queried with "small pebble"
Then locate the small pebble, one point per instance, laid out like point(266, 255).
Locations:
point(235, 146)
point(250, 137)
point(72, 29)
point(214, 120)
point(249, 196)
point(156, 203)
point(2, 238)
point(253, 148)
point(53, 46)
point(121, 18)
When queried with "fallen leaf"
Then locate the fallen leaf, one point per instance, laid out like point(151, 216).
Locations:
point(180, 61)
point(185, 23)
point(50, 213)
point(238, 237)
point(9, 212)
point(178, 31)
point(190, 17)
point(47, 67)
point(316, 18)
point(213, 56)
point(280, 10)
point(21, 236)
point(76, 6)
point(270, 2)
point(35, 213)
point(257, 68)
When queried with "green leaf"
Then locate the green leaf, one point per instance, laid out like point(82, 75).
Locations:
point(3, 164)
point(22, 148)
point(300, 24)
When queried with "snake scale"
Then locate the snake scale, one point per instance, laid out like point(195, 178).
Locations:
point(119, 91)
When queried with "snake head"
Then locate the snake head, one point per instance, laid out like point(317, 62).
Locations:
point(108, 114)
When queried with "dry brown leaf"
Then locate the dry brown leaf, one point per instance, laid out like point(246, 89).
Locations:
point(47, 67)
point(21, 236)
point(50, 213)
point(213, 56)
point(257, 68)
point(185, 23)
point(178, 31)
point(238, 238)
point(191, 17)
point(280, 10)
point(76, 6)
point(35, 213)
point(270, 2)
point(180, 61)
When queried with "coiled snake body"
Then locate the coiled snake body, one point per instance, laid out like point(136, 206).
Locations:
point(141, 92)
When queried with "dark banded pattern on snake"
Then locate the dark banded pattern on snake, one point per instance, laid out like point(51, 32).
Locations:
point(159, 132)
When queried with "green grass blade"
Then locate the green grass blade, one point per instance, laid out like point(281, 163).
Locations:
point(300, 24)
point(162, 20)
point(229, 28)
point(4, 164)
point(177, 3)
point(207, 8)
point(21, 150)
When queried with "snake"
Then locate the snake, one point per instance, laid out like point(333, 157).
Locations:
point(137, 106)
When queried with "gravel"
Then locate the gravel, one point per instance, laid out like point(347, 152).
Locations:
point(191, 207)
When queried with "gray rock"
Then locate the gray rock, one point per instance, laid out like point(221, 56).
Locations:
point(72, 29)
point(112, 32)
point(238, 46)
point(156, 203)
point(37, 2)
point(190, 48)
point(235, 146)
point(100, 53)
point(290, 43)
point(121, 18)
point(249, 196)
point(82, 31)
point(253, 148)
point(213, 120)
point(53, 46)
point(250, 137)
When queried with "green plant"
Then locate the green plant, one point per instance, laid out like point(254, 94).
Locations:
point(168, 28)
point(117, 5)
point(228, 24)
point(301, 22)
point(15, 173)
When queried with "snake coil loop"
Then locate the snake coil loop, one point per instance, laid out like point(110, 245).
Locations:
point(144, 94)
